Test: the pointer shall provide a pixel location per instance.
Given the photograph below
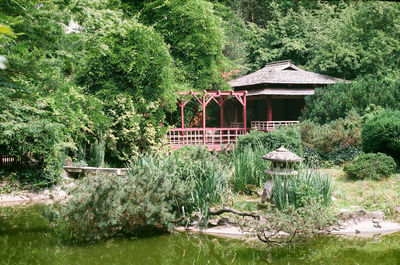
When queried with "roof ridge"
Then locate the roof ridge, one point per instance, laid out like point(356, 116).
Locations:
point(279, 63)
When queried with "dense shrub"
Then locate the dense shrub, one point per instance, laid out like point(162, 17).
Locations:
point(372, 166)
point(333, 143)
point(289, 137)
point(156, 191)
point(336, 135)
point(149, 197)
point(381, 133)
point(337, 101)
point(299, 190)
point(297, 223)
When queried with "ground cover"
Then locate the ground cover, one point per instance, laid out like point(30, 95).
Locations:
point(370, 195)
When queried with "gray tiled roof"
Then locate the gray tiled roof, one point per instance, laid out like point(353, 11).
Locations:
point(283, 72)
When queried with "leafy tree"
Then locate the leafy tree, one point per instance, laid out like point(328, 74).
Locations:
point(195, 38)
point(131, 71)
point(338, 100)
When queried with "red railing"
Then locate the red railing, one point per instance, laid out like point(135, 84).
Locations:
point(212, 137)
point(7, 161)
point(271, 125)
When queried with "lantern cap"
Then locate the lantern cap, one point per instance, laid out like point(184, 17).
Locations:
point(282, 155)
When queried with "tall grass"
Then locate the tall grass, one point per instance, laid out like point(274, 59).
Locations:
point(298, 190)
point(249, 167)
point(208, 176)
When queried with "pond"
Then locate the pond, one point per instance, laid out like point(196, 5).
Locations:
point(25, 239)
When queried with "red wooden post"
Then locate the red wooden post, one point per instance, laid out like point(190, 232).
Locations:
point(245, 112)
point(182, 116)
point(204, 117)
point(221, 111)
point(269, 106)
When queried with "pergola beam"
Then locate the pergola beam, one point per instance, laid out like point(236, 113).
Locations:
point(205, 97)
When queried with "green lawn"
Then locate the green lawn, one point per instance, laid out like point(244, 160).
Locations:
point(371, 195)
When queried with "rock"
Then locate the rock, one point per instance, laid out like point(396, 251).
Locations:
point(267, 190)
point(344, 216)
point(225, 221)
point(376, 215)
point(375, 221)
point(361, 212)
point(212, 223)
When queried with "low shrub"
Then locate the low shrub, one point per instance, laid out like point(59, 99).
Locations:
point(336, 135)
point(315, 159)
point(289, 137)
point(299, 190)
point(248, 173)
point(381, 133)
point(150, 197)
point(371, 166)
point(297, 224)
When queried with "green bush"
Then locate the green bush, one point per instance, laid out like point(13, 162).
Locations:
point(336, 135)
point(289, 137)
point(304, 222)
point(381, 133)
point(338, 100)
point(150, 197)
point(299, 190)
point(372, 166)
point(334, 143)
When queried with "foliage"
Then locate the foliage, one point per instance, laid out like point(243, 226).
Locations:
point(381, 133)
point(193, 32)
point(248, 173)
point(29, 132)
point(367, 193)
point(336, 101)
point(336, 142)
point(131, 71)
point(204, 170)
point(299, 190)
point(330, 37)
point(289, 137)
point(291, 225)
point(372, 166)
point(149, 197)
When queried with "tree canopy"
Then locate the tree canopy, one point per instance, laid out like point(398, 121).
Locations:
point(94, 79)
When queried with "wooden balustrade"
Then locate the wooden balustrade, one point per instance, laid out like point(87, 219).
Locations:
point(214, 138)
point(7, 161)
point(271, 125)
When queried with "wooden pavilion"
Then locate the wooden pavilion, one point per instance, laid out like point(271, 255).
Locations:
point(270, 97)
point(276, 93)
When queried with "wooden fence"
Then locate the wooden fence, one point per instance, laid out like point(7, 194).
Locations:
point(271, 125)
point(7, 161)
point(214, 138)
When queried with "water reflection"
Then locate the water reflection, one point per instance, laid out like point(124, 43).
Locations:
point(24, 239)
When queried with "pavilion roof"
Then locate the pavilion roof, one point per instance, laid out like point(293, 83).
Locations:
point(283, 72)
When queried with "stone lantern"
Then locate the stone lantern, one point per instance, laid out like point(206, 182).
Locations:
point(282, 164)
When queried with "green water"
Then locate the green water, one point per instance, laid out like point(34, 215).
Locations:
point(24, 239)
